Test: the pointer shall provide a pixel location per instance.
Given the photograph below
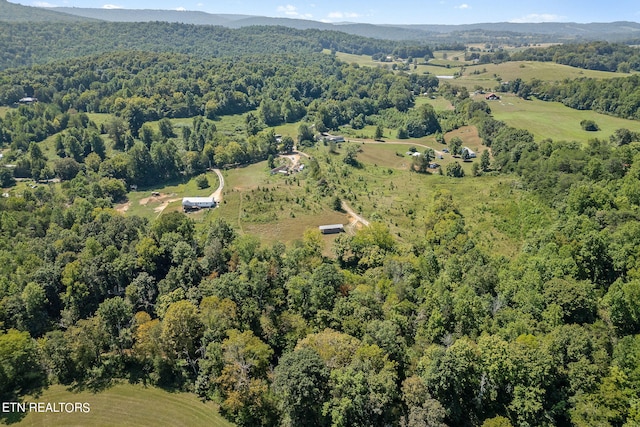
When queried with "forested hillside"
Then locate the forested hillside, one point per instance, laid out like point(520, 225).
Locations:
point(11, 12)
point(523, 311)
point(28, 43)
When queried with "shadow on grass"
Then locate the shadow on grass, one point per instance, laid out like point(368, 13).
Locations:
point(17, 414)
point(12, 417)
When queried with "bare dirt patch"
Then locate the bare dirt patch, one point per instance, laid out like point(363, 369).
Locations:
point(161, 197)
point(122, 208)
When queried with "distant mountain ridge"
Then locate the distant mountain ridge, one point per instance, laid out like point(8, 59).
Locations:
point(532, 32)
point(11, 12)
point(151, 15)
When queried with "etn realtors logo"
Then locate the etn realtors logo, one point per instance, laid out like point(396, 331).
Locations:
point(46, 407)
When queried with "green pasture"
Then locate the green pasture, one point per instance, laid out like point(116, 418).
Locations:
point(525, 70)
point(554, 120)
point(125, 405)
point(100, 118)
point(439, 102)
point(436, 70)
point(3, 111)
point(449, 56)
point(288, 129)
point(363, 60)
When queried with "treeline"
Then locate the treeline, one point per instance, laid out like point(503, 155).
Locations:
point(26, 44)
point(599, 55)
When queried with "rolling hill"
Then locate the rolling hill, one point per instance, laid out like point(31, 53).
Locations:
point(429, 33)
point(11, 12)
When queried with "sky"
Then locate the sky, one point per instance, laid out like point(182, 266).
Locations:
point(389, 11)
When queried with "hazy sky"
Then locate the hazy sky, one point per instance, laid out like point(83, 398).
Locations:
point(390, 11)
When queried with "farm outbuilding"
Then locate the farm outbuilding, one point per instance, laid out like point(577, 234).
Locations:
point(331, 229)
point(472, 154)
point(327, 137)
point(193, 203)
point(284, 170)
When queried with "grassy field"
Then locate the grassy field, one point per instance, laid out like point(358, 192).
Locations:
point(364, 60)
point(274, 207)
point(437, 66)
point(526, 70)
point(554, 120)
point(439, 102)
point(437, 70)
point(100, 118)
point(384, 189)
point(126, 405)
point(487, 76)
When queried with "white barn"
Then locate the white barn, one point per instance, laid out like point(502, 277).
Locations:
point(198, 203)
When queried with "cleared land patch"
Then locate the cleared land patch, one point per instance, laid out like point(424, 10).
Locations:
point(144, 203)
point(526, 70)
point(554, 120)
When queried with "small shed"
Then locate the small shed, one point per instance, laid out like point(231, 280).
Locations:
point(27, 100)
point(331, 229)
point(472, 154)
point(492, 97)
point(284, 170)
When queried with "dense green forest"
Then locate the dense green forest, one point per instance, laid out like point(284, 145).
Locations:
point(432, 330)
point(36, 43)
point(138, 88)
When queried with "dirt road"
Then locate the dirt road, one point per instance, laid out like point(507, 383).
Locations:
point(217, 195)
point(355, 218)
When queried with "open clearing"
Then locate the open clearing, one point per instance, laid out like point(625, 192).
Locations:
point(144, 203)
point(554, 120)
point(274, 207)
point(525, 70)
point(126, 405)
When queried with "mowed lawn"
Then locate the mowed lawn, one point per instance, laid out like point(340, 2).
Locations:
point(554, 120)
point(127, 405)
